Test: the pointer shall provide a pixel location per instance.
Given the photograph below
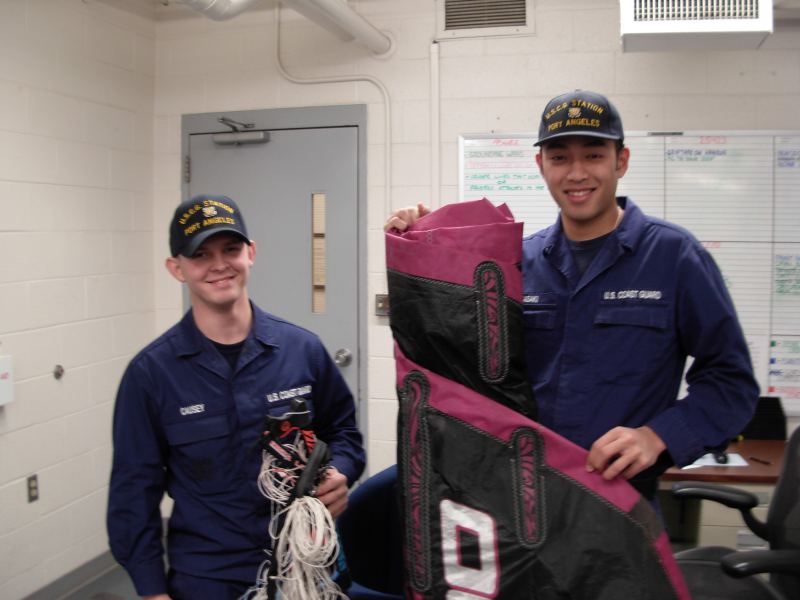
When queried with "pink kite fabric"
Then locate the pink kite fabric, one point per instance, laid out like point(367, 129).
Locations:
point(494, 504)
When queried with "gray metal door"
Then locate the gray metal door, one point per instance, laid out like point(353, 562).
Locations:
point(299, 191)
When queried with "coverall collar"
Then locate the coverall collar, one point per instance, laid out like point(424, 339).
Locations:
point(624, 239)
point(190, 341)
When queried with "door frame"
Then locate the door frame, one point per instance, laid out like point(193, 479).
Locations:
point(349, 115)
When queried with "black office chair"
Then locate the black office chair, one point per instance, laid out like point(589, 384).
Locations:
point(714, 572)
point(370, 532)
point(768, 421)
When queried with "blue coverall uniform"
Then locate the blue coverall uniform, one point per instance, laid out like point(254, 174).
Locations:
point(609, 347)
point(187, 424)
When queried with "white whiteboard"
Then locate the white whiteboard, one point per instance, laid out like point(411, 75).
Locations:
point(737, 192)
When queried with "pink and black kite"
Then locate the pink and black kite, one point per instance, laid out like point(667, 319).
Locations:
point(496, 505)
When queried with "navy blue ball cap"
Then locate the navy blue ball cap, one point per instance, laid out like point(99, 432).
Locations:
point(580, 113)
point(199, 218)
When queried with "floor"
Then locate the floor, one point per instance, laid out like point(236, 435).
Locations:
point(113, 585)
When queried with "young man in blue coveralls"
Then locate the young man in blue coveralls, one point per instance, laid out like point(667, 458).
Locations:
point(190, 411)
point(614, 302)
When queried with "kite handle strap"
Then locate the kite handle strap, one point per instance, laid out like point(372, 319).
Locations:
point(319, 456)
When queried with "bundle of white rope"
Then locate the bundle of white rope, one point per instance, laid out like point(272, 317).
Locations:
point(306, 548)
point(276, 483)
point(306, 545)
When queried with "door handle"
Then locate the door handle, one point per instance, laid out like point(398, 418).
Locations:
point(343, 357)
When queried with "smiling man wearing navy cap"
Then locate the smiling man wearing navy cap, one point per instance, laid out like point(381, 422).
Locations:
point(191, 407)
point(615, 302)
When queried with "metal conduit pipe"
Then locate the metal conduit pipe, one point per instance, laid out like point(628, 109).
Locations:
point(387, 103)
point(333, 15)
point(219, 10)
point(341, 20)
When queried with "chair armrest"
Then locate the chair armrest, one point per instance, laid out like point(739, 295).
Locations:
point(731, 497)
point(724, 494)
point(751, 562)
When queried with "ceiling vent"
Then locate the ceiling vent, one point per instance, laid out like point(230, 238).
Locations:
point(680, 25)
point(475, 18)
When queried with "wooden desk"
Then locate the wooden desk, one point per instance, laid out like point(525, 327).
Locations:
point(706, 523)
point(755, 472)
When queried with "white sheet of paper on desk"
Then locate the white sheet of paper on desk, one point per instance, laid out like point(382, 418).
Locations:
point(707, 460)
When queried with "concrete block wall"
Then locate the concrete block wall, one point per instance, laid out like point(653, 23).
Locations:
point(76, 276)
point(90, 104)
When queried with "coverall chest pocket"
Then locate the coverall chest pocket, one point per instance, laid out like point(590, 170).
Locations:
point(628, 341)
point(202, 454)
point(275, 410)
point(541, 336)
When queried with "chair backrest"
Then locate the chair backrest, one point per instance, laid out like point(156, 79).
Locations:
point(768, 422)
point(783, 518)
point(371, 533)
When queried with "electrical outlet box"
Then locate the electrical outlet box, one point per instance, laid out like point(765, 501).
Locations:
point(382, 305)
point(6, 380)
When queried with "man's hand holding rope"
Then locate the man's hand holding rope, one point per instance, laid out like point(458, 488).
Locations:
point(332, 491)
